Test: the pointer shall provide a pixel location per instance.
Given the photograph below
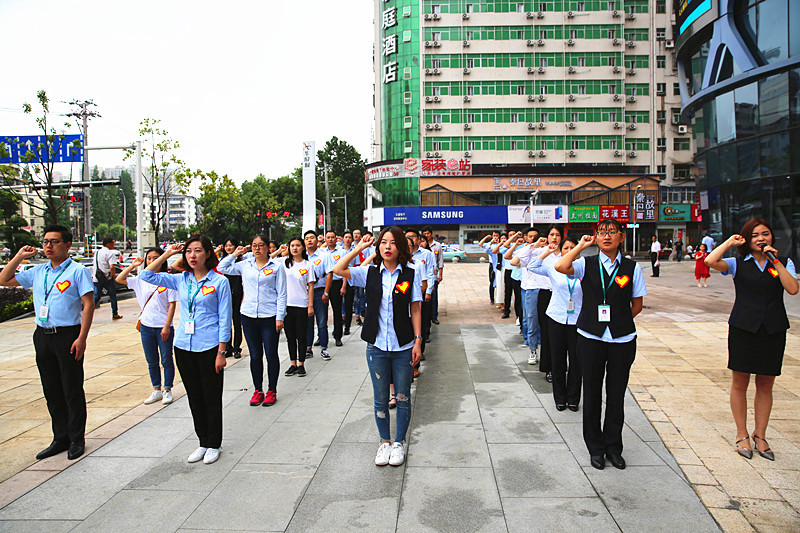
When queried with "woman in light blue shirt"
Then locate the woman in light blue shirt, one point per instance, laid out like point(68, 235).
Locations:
point(202, 335)
point(562, 314)
point(263, 310)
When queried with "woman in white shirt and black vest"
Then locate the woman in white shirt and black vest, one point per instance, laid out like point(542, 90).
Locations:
point(392, 329)
point(757, 325)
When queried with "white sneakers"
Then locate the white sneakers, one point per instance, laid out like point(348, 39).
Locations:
point(198, 454)
point(167, 397)
point(212, 454)
point(208, 455)
point(155, 396)
point(533, 358)
point(398, 454)
point(384, 453)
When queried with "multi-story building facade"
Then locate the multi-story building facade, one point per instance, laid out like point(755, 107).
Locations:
point(740, 65)
point(474, 97)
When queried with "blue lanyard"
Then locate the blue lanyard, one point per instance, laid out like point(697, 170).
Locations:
point(602, 279)
point(571, 287)
point(46, 290)
point(192, 298)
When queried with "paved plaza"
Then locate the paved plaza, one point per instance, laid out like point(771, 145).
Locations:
point(487, 449)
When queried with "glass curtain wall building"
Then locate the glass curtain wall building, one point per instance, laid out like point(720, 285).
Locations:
point(740, 81)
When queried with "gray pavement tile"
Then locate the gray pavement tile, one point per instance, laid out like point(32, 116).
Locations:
point(645, 498)
point(242, 421)
point(517, 394)
point(450, 499)
point(348, 472)
point(318, 408)
point(125, 512)
point(173, 472)
point(666, 456)
point(558, 515)
point(495, 374)
point(442, 383)
point(465, 446)
point(270, 511)
point(498, 356)
point(295, 443)
point(516, 425)
point(323, 512)
point(79, 490)
point(37, 526)
point(154, 437)
point(636, 451)
point(447, 409)
point(177, 409)
point(359, 424)
point(538, 470)
point(335, 382)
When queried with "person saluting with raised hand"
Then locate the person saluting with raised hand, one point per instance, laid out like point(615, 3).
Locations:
point(757, 325)
point(63, 300)
point(202, 336)
point(392, 329)
point(613, 293)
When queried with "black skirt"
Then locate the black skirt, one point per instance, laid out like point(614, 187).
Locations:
point(756, 353)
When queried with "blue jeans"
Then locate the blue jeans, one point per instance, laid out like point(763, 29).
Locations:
point(358, 301)
point(153, 344)
point(321, 318)
point(531, 330)
point(386, 368)
point(261, 337)
point(111, 288)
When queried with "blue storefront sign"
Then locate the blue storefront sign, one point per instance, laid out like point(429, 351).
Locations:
point(64, 149)
point(445, 215)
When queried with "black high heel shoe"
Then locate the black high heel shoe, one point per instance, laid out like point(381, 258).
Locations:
point(747, 453)
point(766, 454)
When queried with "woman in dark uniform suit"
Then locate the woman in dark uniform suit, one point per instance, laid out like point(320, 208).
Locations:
point(757, 325)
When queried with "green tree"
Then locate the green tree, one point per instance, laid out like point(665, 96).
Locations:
point(224, 211)
point(126, 184)
point(15, 236)
point(106, 201)
point(181, 234)
point(346, 178)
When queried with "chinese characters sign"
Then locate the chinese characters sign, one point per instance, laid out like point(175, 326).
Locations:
point(645, 207)
point(389, 44)
point(584, 213)
point(439, 167)
point(620, 213)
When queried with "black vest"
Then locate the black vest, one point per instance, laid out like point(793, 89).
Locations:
point(618, 296)
point(400, 301)
point(759, 298)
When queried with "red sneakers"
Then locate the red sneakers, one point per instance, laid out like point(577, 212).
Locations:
point(270, 398)
point(257, 398)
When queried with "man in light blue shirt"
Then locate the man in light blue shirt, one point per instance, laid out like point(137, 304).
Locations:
point(63, 300)
point(318, 258)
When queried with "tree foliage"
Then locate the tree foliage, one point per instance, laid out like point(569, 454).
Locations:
point(346, 178)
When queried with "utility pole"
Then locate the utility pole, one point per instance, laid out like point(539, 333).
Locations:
point(85, 114)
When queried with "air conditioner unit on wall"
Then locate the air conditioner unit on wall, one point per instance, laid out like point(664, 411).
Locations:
point(428, 126)
point(571, 98)
point(529, 15)
point(465, 16)
point(632, 154)
point(571, 70)
point(542, 125)
point(539, 15)
point(465, 44)
point(531, 153)
point(631, 98)
point(467, 126)
point(616, 69)
point(571, 125)
point(541, 70)
point(632, 126)
point(467, 71)
point(683, 129)
point(467, 98)
point(571, 42)
point(531, 70)
point(540, 42)
point(542, 98)
point(531, 126)
point(437, 126)
point(669, 43)
point(572, 153)
point(467, 154)
point(617, 98)
point(542, 153)
point(437, 154)
point(617, 125)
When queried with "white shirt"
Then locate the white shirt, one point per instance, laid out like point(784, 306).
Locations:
point(530, 279)
point(709, 242)
point(424, 262)
point(655, 247)
point(103, 259)
point(264, 287)
point(154, 310)
point(298, 276)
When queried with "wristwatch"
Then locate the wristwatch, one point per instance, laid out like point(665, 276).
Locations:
point(417, 336)
point(325, 294)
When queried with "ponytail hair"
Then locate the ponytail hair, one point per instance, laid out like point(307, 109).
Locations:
point(302, 250)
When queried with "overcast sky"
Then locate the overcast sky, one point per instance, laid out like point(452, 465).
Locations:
point(241, 84)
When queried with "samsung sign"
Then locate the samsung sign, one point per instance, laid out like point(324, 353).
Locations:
point(445, 215)
point(687, 11)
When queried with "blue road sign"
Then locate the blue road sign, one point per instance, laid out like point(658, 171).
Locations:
point(633, 226)
point(44, 149)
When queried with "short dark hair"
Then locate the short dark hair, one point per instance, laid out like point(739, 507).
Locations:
point(107, 241)
point(66, 235)
point(531, 229)
point(205, 242)
point(411, 230)
point(747, 233)
point(558, 227)
point(367, 233)
point(311, 231)
point(233, 240)
point(566, 239)
point(330, 231)
point(609, 222)
point(345, 232)
point(426, 228)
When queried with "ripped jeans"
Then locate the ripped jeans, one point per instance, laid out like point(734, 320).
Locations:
point(386, 368)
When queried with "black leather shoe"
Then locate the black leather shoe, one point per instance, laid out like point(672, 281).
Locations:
point(505, 315)
point(573, 408)
point(616, 460)
point(339, 342)
point(549, 377)
point(358, 322)
point(435, 321)
point(599, 462)
point(75, 450)
point(347, 331)
point(560, 407)
point(54, 449)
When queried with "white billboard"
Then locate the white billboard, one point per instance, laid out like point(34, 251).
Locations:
point(309, 186)
point(542, 214)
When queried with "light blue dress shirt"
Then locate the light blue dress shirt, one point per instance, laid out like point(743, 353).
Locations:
point(424, 264)
point(65, 285)
point(749, 257)
point(386, 339)
point(639, 289)
point(264, 288)
point(492, 257)
point(334, 257)
point(318, 260)
point(211, 309)
point(516, 273)
point(561, 284)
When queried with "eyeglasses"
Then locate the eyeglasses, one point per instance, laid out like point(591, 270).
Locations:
point(257, 246)
point(47, 242)
point(612, 233)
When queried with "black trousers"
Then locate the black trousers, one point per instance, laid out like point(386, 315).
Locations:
point(204, 390)
point(492, 274)
point(62, 382)
point(653, 259)
point(545, 356)
point(427, 315)
point(236, 314)
point(336, 303)
point(613, 361)
point(348, 307)
point(515, 287)
point(566, 366)
point(295, 324)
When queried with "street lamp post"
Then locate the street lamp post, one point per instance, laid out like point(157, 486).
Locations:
point(124, 217)
point(334, 198)
point(324, 216)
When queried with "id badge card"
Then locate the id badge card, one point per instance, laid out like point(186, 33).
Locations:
point(44, 311)
point(604, 313)
point(570, 307)
point(189, 327)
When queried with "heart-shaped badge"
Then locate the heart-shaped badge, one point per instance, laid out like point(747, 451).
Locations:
point(303, 271)
point(317, 261)
point(622, 280)
point(336, 257)
point(207, 290)
point(161, 289)
point(64, 285)
point(773, 272)
point(403, 287)
point(268, 271)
